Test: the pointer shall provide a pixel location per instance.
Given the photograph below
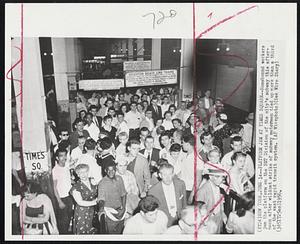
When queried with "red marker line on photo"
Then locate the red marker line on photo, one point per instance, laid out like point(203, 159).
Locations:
point(196, 124)
point(224, 20)
point(12, 68)
point(20, 96)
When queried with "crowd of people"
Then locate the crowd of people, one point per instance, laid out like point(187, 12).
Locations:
point(139, 163)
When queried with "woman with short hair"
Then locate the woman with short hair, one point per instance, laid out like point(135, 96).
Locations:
point(85, 196)
point(37, 215)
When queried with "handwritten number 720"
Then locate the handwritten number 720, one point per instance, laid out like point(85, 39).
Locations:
point(161, 15)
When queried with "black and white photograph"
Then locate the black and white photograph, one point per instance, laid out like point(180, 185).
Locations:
point(126, 127)
point(158, 121)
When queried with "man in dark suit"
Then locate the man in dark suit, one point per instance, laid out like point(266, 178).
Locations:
point(138, 165)
point(97, 120)
point(156, 109)
point(151, 154)
point(171, 193)
point(207, 100)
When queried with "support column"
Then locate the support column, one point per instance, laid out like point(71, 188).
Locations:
point(123, 46)
point(186, 72)
point(33, 118)
point(156, 54)
point(66, 63)
point(130, 49)
point(140, 49)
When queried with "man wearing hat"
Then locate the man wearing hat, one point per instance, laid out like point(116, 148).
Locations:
point(209, 193)
point(248, 130)
point(222, 131)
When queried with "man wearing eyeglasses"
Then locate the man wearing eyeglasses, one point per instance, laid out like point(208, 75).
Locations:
point(64, 136)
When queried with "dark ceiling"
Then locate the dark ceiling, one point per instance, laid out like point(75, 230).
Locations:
point(246, 49)
point(97, 46)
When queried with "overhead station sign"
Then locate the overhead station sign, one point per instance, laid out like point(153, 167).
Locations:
point(151, 78)
point(136, 65)
point(101, 84)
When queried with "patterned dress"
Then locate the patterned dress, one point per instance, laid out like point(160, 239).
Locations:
point(83, 216)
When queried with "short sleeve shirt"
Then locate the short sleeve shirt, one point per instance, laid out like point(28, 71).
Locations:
point(187, 170)
point(63, 177)
point(111, 191)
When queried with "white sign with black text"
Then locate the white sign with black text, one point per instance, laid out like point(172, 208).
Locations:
point(137, 65)
point(151, 78)
point(101, 84)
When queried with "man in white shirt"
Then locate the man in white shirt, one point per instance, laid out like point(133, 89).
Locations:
point(248, 131)
point(121, 124)
point(226, 162)
point(93, 100)
point(103, 99)
point(148, 121)
point(104, 109)
point(111, 111)
point(166, 104)
point(209, 192)
point(78, 151)
point(91, 128)
point(176, 157)
point(187, 169)
point(166, 142)
point(171, 193)
point(121, 148)
point(208, 102)
point(121, 99)
point(133, 119)
point(89, 159)
point(181, 110)
point(149, 220)
point(144, 132)
point(132, 199)
point(96, 119)
point(206, 139)
point(62, 185)
point(167, 122)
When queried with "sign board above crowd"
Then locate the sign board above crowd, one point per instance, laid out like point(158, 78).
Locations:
point(137, 65)
point(151, 78)
point(101, 84)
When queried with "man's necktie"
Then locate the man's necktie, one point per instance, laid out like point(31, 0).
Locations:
point(96, 121)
